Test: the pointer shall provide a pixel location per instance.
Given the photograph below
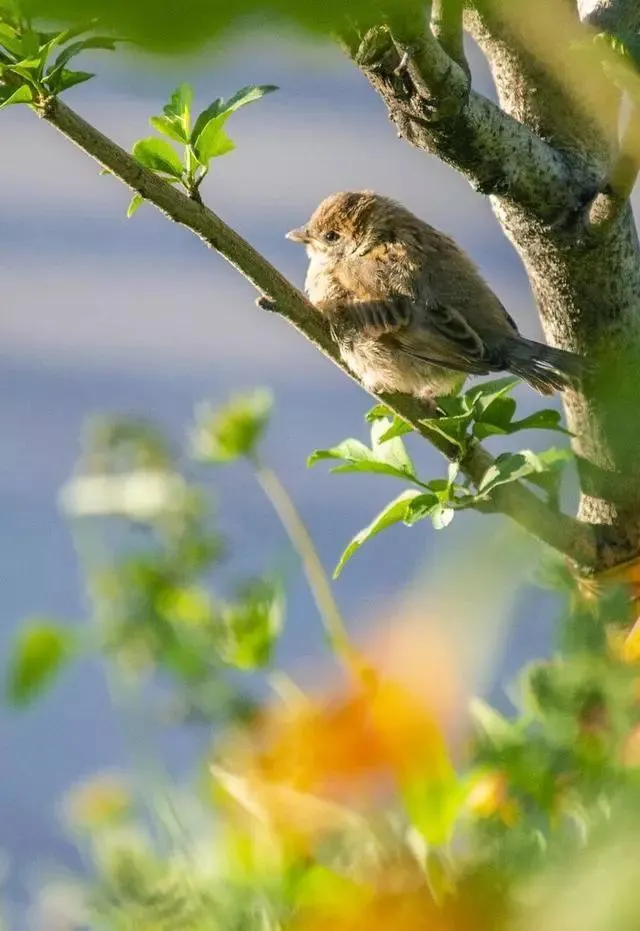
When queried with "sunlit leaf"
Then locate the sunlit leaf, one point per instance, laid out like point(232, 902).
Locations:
point(169, 127)
point(158, 155)
point(213, 140)
point(23, 94)
point(136, 201)
point(393, 513)
point(510, 467)
point(547, 419)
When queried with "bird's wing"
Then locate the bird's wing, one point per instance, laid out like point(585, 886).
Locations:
point(440, 335)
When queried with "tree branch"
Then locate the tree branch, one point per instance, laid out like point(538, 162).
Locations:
point(433, 108)
point(611, 15)
point(607, 205)
point(569, 536)
point(446, 23)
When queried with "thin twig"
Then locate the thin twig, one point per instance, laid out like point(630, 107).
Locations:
point(576, 540)
point(446, 24)
point(440, 114)
point(314, 570)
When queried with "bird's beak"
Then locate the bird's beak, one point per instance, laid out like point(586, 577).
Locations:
point(300, 234)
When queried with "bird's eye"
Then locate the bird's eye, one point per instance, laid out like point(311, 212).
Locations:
point(331, 236)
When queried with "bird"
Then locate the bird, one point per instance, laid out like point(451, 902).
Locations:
point(408, 308)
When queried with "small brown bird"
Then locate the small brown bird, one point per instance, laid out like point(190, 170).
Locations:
point(408, 308)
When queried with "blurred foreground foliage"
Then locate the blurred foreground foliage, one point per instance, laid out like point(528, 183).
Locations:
point(349, 808)
point(169, 27)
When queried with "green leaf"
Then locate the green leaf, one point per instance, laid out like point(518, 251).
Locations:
point(65, 79)
point(158, 155)
point(350, 450)
point(169, 127)
point(39, 653)
point(136, 201)
point(378, 412)
point(386, 458)
point(390, 450)
point(547, 419)
point(453, 429)
point(203, 118)
point(252, 625)
point(393, 513)
point(433, 805)
point(61, 38)
point(510, 467)
point(179, 106)
point(23, 94)
point(499, 731)
point(399, 427)
point(481, 396)
point(30, 44)
point(422, 506)
point(453, 470)
point(93, 42)
point(212, 139)
point(247, 95)
point(10, 39)
point(233, 430)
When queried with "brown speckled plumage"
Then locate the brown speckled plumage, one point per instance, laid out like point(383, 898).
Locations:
point(409, 309)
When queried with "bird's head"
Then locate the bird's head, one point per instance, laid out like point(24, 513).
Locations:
point(346, 223)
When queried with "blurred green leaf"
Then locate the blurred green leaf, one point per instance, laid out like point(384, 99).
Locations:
point(393, 513)
point(235, 429)
point(158, 155)
point(160, 25)
point(39, 652)
point(10, 39)
point(253, 624)
point(497, 729)
point(433, 803)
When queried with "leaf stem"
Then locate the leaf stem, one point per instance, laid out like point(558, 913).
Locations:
point(302, 542)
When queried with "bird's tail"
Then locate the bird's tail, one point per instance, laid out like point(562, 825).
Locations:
point(545, 368)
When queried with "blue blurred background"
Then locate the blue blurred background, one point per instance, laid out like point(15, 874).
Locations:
point(137, 317)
